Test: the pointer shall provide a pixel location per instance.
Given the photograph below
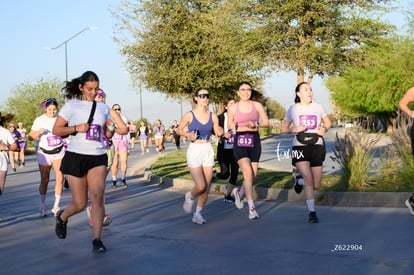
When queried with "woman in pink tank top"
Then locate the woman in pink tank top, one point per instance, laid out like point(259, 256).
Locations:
point(245, 117)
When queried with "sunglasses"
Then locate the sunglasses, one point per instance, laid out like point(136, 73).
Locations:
point(117, 109)
point(204, 96)
point(51, 99)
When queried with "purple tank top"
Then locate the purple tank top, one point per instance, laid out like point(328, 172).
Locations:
point(203, 130)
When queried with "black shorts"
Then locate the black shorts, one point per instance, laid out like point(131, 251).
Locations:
point(315, 154)
point(78, 165)
point(253, 152)
point(132, 135)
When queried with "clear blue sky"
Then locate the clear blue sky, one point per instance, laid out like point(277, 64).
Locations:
point(27, 26)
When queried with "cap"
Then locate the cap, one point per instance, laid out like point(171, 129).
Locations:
point(20, 123)
point(11, 125)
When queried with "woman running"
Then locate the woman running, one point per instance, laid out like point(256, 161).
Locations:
point(50, 151)
point(200, 154)
point(244, 117)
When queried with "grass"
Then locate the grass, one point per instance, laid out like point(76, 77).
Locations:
point(174, 165)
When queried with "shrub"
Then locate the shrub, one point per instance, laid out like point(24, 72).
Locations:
point(397, 170)
point(354, 153)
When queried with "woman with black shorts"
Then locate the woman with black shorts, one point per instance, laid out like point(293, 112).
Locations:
point(244, 117)
point(309, 121)
point(85, 160)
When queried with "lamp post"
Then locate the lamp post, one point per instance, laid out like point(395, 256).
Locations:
point(66, 47)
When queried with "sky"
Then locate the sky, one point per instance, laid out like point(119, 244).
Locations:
point(28, 26)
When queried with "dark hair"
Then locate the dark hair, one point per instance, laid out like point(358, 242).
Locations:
point(71, 90)
point(227, 100)
point(243, 83)
point(297, 99)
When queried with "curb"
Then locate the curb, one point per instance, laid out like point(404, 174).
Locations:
point(354, 199)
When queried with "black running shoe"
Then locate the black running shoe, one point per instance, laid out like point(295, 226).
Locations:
point(410, 204)
point(228, 198)
point(124, 184)
point(298, 187)
point(60, 226)
point(66, 184)
point(312, 217)
point(98, 246)
point(114, 184)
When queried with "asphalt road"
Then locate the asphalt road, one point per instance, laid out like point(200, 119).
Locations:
point(150, 234)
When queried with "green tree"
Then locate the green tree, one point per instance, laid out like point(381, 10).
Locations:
point(24, 100)
point(315, 37)
point(175, 47)
point(274, 109)
point(375, 85)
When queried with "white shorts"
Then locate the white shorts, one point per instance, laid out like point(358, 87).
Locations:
point(47, 159)
point(4, 160)
point(200, 155)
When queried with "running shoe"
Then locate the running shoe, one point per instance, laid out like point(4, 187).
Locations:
point(66, 184)
point(188, 203)
point(60, 226)
point(14, 169)
point(228, 198)
point(237, 200)
point(124, 184)
point(55, 210)
point(198, 219)
point(107, 220)
point(98, 246)
point(299, 182)
point(114, 184)
point(253, 214)
point(312, 217)
point(42, 211)
point(410, 204)
point(22, 165)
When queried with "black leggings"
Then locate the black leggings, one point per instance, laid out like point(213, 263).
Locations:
point(228, 165)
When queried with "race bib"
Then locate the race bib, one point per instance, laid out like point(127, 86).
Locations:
point(54, 141)
point(94, 132)
point(230, 140)
point(309, 121)
point(246, 140)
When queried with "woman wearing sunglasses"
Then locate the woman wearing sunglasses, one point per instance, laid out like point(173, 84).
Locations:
point(85, 160)
point(244, 117)
point(50, 151)
point(121, 145)
point(200, 155)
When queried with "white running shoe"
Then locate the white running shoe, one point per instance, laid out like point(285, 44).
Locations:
point(198, 219)
point(253, 214)
point(55, 210)
point(188, 203)
point(237, 200)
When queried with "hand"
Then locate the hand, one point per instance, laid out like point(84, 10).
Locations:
point(82, 128)
point(193, 136)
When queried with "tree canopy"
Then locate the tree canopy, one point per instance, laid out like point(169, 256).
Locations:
point(24, 100)
point(316, 37)
point(176, 47)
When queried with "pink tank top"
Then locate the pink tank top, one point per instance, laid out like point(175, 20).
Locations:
point(241, 119)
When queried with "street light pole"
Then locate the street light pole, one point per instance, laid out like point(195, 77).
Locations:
point(66, 47)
